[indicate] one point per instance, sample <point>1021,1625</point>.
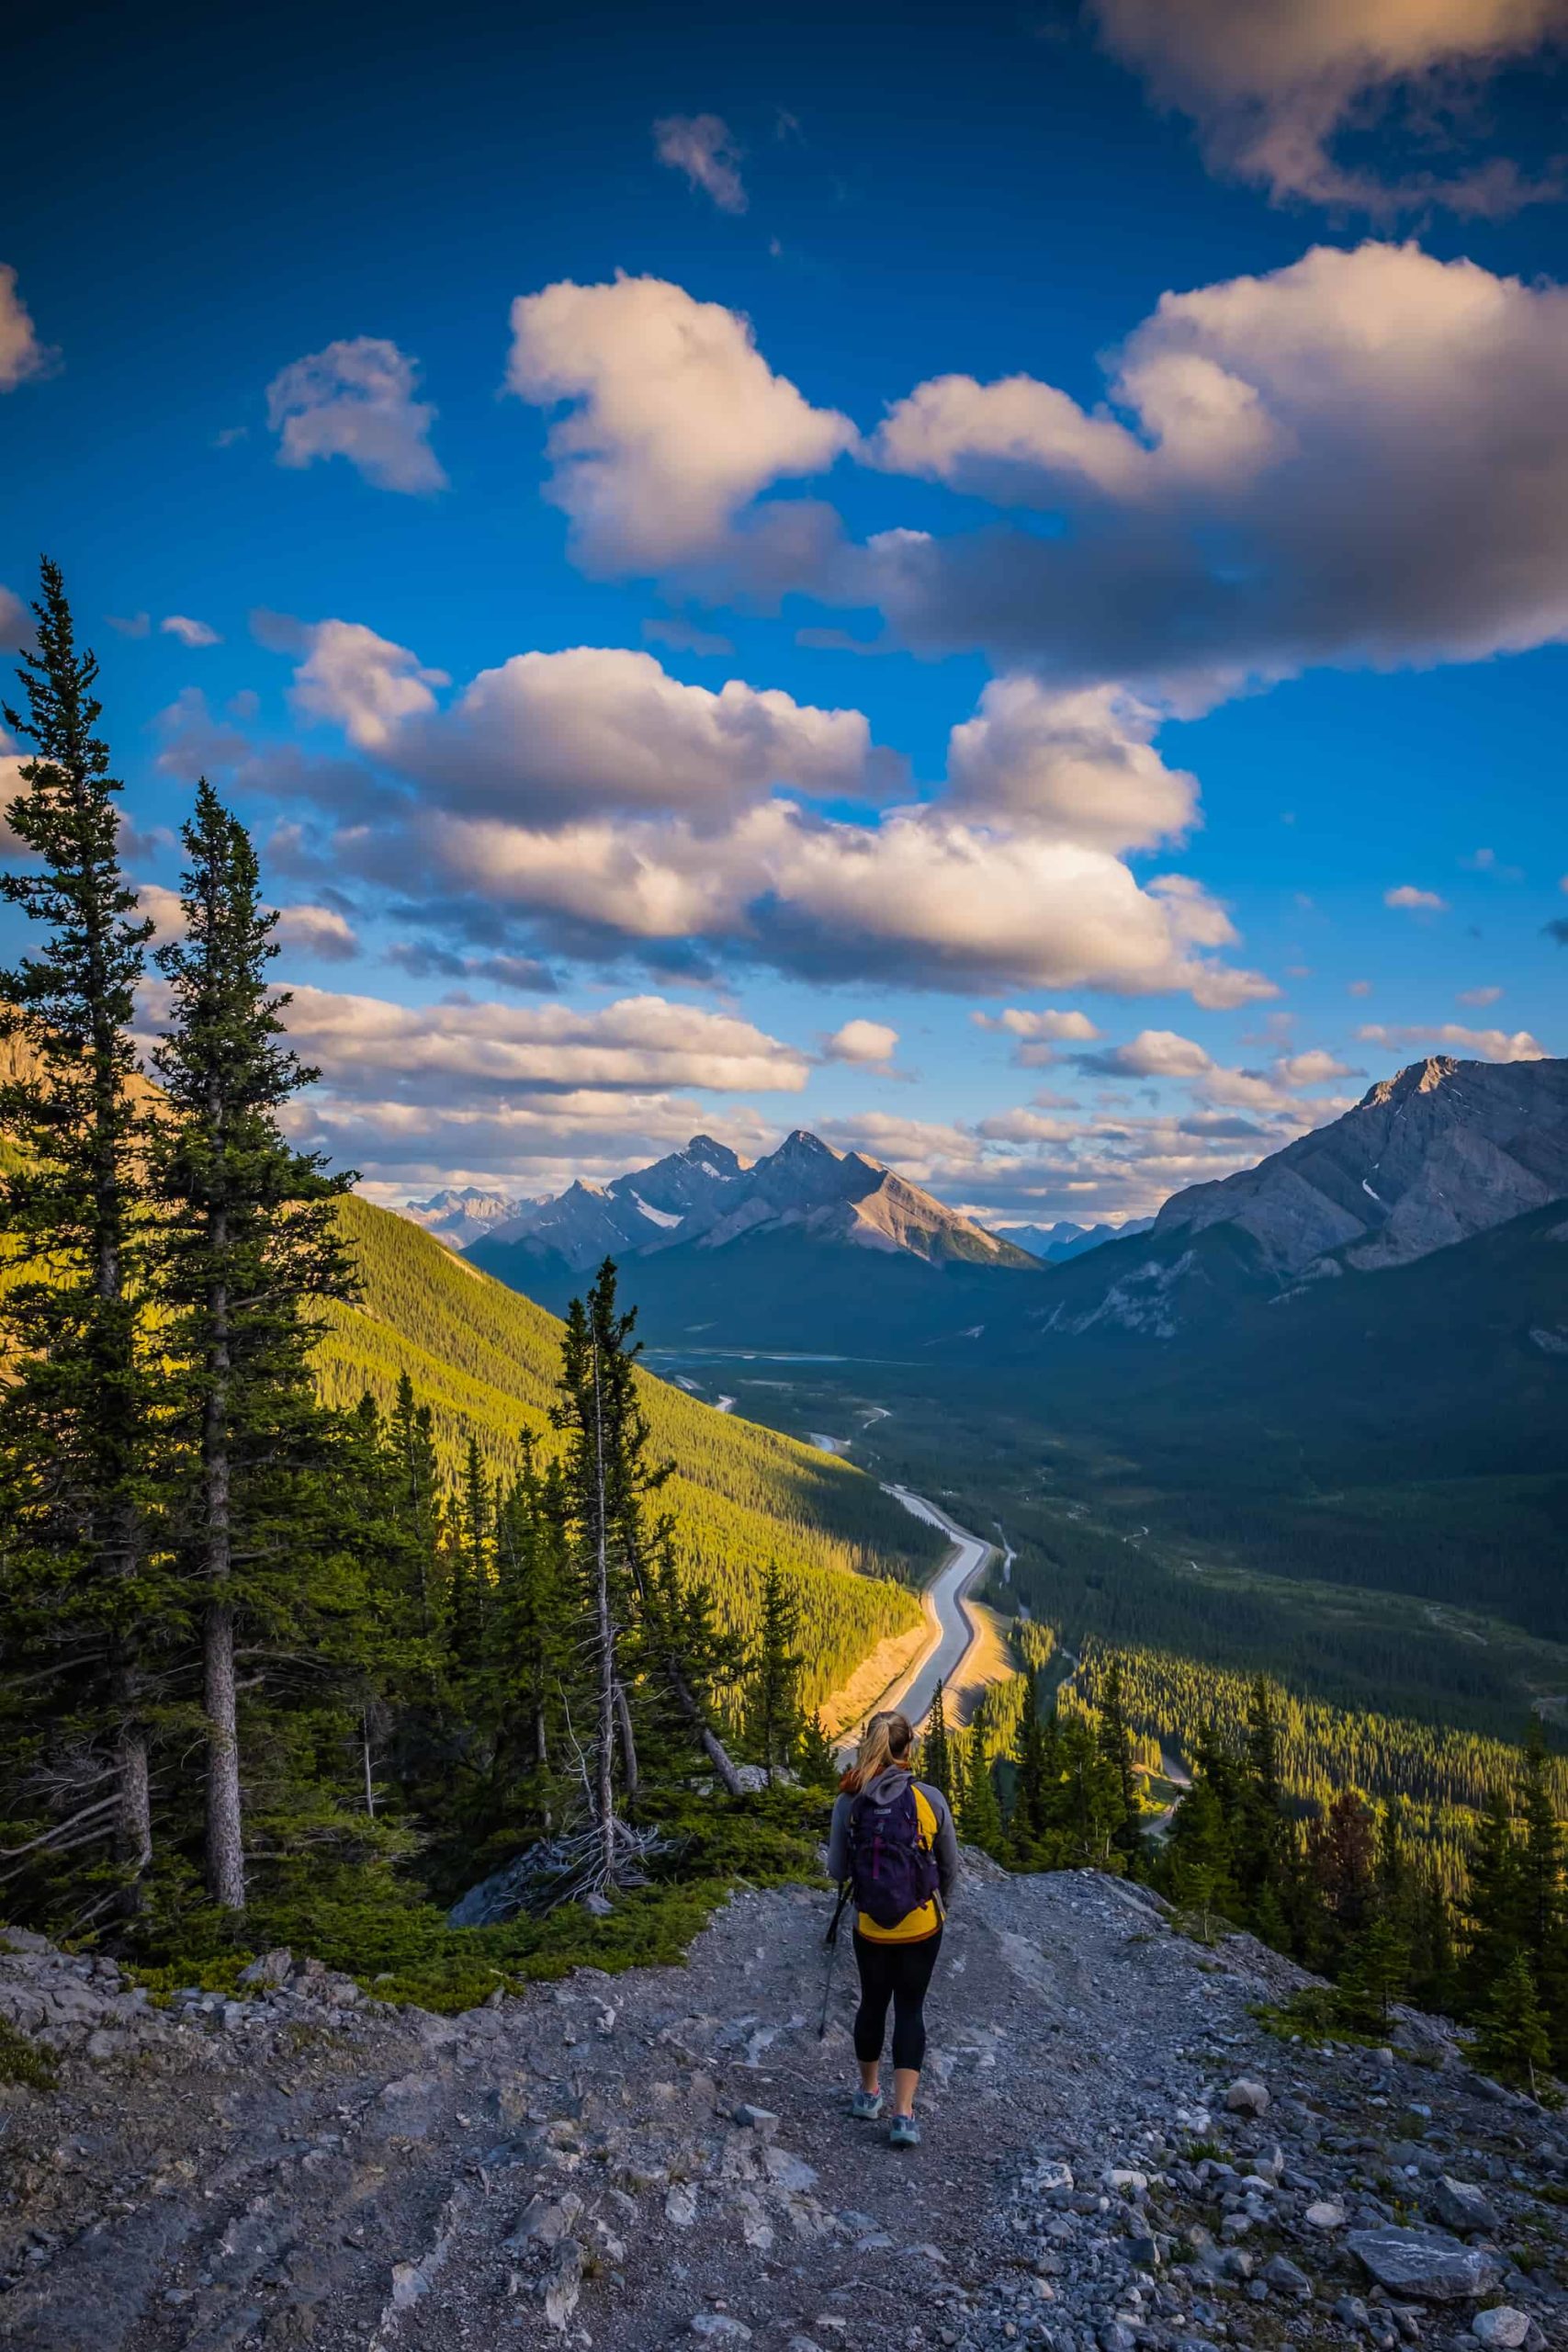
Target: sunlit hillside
<point>484,1358</point>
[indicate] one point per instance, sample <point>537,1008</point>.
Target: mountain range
<point>1427,1159</point>
<point>1054,1244</point>
<point>705,1199</point>
<point>464,1214</point>
<point>811,1248</point>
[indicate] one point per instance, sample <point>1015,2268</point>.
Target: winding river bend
<point>952,1630</point>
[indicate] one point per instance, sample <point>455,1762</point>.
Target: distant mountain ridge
<point>1435,1156</point>
<point>1054,1244</point>
<point>706,1198</point>
<point>463,1214</point>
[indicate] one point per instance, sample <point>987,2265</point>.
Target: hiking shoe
<point>905,2132</point>
<point>866,2106</point>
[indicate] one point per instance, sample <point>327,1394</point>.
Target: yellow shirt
<point>914,1925</point>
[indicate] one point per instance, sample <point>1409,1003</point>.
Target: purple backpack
<point>892,1868</point>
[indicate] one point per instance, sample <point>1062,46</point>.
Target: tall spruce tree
<point>1512,2039</point>
<point>936,1747</point>
<point>773,1700</point>
<point>1261,1834</point>
<point>1035,1775</point>
<point>690,1657</point>
<point>609,1478</point>
<point>1116,1747</point>
<point>248,1247</point>
<point>980,1819</point>
<point>87,1599</point>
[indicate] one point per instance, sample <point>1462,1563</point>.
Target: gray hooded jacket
<point>883,1790</point>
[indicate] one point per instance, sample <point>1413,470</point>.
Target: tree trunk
<point>628,1743</point>
<point>605,1759</point>
<point>708,1740</point>
<point>369,1781</point>
<point>225,1828</point>
<point>133,1819</point>
<point>225,1835</point>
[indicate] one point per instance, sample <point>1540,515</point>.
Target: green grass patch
<point>24,2061</point>
<point>366,1922</point>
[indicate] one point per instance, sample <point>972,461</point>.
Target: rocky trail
<point>664,2157</point>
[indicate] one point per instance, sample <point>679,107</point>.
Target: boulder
<point>1326,2214</point>
<point>1502,2327</point>
<point>1427,2263</point>
<point>1286,2278</point>
<point>1459,2205</point>
<point>562,2286</point>
<point>269,1968</point>
<point>1247,2096</point>
<point>718,2327</point>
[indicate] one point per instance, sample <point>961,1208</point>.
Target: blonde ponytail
<point>887,1741</point>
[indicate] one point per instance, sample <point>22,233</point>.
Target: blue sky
<point>1000,594</point>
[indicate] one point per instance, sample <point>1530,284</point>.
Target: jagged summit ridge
<point>707,1197</point>
<point>1443,1151</point>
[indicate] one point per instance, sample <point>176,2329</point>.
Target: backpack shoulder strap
<point>925,1814</point>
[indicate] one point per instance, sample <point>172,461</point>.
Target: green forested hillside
<point>486,1360</point>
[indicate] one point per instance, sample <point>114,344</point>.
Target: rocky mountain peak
<point>801,1144</point>
<point>1443,1150</point>
<point>1415,1078</point>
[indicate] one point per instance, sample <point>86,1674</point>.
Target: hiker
<point>892,1841</point>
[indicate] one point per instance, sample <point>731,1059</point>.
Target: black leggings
<point>899,1973</point>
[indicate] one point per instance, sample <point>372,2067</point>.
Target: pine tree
<point>1496,1921</point>
<point>1029,1824</point>
<point>1433,1984</point>
<point>530,1649</point>
<point>1341,1856</point>
<point>469,1564</point>
<point>1511,2038</point>
<point>690,1655</point>
<point>936,1748</point>
<point>87,1599</point>
<point>817,1758</point>
<point>1545,1915</point>
<point>775,1698</point>
<point>1374,1976</point>
<point>609,1477</point>
<point>980,1822</point>
<point>1259,1825</point>
<point>247,1244</point>
<point>1116,1747</point>
<point>1200,1862</point>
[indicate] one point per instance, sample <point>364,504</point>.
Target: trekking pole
<point>831,1941</point>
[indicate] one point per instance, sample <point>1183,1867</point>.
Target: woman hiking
<point>894,1842</point>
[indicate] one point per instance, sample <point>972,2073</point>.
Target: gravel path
<point>664,2157</point>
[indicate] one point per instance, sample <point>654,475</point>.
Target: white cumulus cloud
<point>320,931</point>
<point>677,419</point>
<point>362,683</point>
<point>602,727</point>
<point>355,399</point>
<point>1271,83</point>
<point>871,1043</point>
<point>464,1053</point>
<point>1081,764</point>
<point>1284,474</point>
